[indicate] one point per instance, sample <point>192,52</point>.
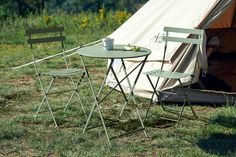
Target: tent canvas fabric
<point>145,29</point>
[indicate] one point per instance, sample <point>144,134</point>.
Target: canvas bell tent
<point>215,80</point>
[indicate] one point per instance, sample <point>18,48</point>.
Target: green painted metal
<point>43,30</point>
<point>194,37</point>
<point>63,72</point>
<point>54,34</point>
<point>167,74</point>
<point>184,30</point>
<point>118,52</point>
<point>183,40</point>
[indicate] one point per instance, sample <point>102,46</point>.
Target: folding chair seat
<point>172,34</point>
<point>45,41</point>
<point>63,72</point>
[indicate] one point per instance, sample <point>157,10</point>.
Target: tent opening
<point>221,52</point>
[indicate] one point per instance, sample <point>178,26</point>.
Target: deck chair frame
<point>49,35</point>
<point>195,37</point>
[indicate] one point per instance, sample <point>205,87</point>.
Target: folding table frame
<point>97,51</point>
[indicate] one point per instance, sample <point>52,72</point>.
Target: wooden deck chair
<point>194,37</point>
<point>42,43</point>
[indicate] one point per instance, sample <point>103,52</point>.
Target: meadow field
<point>213,134</point>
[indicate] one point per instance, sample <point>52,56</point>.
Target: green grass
<point>21,134</point>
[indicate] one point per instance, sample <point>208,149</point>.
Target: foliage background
<point>90,17</point>
<point>213,134</point>
<point>9,8</point>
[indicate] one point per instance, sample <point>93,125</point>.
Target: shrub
<point>94,25</point>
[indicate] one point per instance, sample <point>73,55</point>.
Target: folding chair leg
<point>68,102</point>
<point>40,106</point>
<point>182,109</point>
<point>50,109</point>
<point>76,92</point>
<point>80,102</point>
<point>154,93</point>
<point>180,115</point>
<point>179,112</point>
<point>45,98</point>
<point>193,111</point>
<point>191,107</point>
<point>185,100</point>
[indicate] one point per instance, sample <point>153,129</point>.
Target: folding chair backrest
<point>54,34</point>
<point>173,34</point>
<point>45,36</point>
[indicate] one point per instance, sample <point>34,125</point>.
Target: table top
<point>118,52</point>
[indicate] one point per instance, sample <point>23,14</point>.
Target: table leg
<point>135,82</point>
<point>119,84</point>
<point>126,74</point>
<point>132,94</point>
<point>131,90</point>
<point>96,104</point>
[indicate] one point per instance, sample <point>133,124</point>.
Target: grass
<point>212,135</point>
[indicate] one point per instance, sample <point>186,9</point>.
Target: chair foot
<point>194,113</point>
<point>180,113</point>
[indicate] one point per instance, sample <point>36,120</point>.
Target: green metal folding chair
<point>42,43</point>
<point>172,34</point>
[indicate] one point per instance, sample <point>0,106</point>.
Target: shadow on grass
<point>135,124</point>
<point>226,121</point>
<point>160,123</point>
<point>219,144</point>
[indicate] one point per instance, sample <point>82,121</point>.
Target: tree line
<point>22,8</point>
